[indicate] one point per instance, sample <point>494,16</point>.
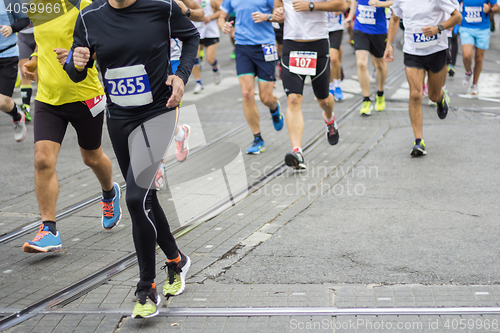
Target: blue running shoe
<point>332,92</point>
<point>277,119</point>
<point>111,212</point>
<point>338,94</point>
<point>257,147</point>
<point>44,241</point>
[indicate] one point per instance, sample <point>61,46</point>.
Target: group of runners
<point>146,57</point>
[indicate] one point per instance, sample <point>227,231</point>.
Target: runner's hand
<point>6,30</point>
<point>81,56</point>
<point>227,27</point>
<point>258,17</point>
<point>389,53</point>
<point>182,6</point>
<point>301,6</point>
<point>177,90</point>
<point>373,3</point>
<point>61,54</point>
<point>347,22</point>
<point>31,64</point>
<point>486,8</point>
<point>279,15</point>
<point>430,31</point>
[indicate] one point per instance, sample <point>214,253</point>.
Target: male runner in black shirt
<point>131,41</point>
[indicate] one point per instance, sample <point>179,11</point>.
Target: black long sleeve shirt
<point>132,46</point>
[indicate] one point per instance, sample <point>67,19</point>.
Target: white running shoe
<point>198,88</point>
<point>20,130</point>
<point>474,89</point>
<point>466,81</point>
<point>217,77</point>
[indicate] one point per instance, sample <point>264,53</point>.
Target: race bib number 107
<point>303,62</point>
<point>128,86</point>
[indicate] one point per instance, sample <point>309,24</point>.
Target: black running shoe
<point>332,131</point>
<point>295,159</point>
<point>418,149</point>
<point>442,107</point>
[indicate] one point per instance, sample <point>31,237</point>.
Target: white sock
<point>180,135</point>
<point>332,85</point>
<point>336,83</point>
<point>299,148</point>
<point>328,120</point>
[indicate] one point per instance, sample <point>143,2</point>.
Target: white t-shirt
<point>210,30</point>
<point>335,22</point>
<point>304,25</point>
<point>417,14</point>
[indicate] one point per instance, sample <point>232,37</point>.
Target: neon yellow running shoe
<point>176,276</point>
<point>366,109</point>
<point>147,301</point>
<point>380,103</point>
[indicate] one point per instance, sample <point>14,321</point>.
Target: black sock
<point>258,136</point>
<point>417,141</point>
<point>275,108</point>
<point>108,195</point>
<point>366,99</point>
<point>15,114</point>
<point>26,95</point>
<point>51,225</point>
<point>380,93</point>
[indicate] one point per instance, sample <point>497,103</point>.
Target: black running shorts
<point>8,75</point>
<point>51,121</point>
<point>209,41</point>
<point>294,83</point>
<point>336,39</point>
<point>375,44</point>
<point>433,62</point>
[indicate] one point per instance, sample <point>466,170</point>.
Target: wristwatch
<point>440,27</point>
<point>188,12</point>
<point>311,6</point>
<point>269,17</point>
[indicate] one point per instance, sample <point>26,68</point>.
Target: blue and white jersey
<point>370,20</point>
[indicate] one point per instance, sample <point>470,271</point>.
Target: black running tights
<point>149,223</point>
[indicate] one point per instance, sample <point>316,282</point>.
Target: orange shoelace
<point>41,233</point>
<point>108,209</point>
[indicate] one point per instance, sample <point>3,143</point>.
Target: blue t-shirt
<point>473,15</point>
<point>10,11</point>
<point>247,32</point>
<point>370,20</point>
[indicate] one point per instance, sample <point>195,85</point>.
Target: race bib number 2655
<point>128,86</point>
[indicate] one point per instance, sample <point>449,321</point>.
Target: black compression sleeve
<point>183,29</point>
<point>20,24</point>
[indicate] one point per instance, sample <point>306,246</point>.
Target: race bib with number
<point>96,105</point>
<point>303,62</point>
<point>473,14</point>
<point>128,86</point>
<point>421,41</point>
<point>366,14</point>
<point>270,53</point>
